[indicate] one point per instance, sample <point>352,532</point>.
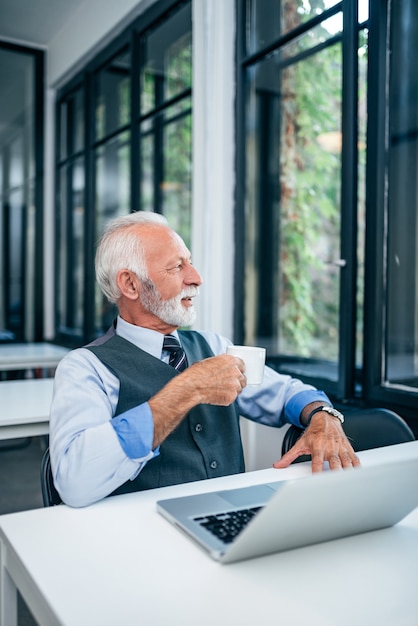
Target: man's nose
<point>193,277</point>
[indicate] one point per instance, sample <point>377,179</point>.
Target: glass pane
<point>17,159</point>
<point>363,10</point>
<point>293,204</point>
<point>147,168</point>
<point>361,216</point>
<point>15,257</point>
<point>166,145</point>
<point>63,141</point>
<point>30,265</point>
<point>71,248</point>
<point>112,199</point>
<point>270,20</point>
<point>113,95</point>
<point>62,250</point>
<point>78,122</point>
<point>167,69</point>
<point>78,238</point>
<point>112,179</point>
<point>177,179</point>
<point>402,260</point>
<point>71,115</point>
<point>17,163</point>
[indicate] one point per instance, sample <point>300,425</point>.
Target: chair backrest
<point>366,429</point>
<point>50,495</point>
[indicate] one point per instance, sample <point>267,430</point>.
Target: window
<point>298,250</point>
<point>401,353</point>
<point>124,143</point>
<point>21,154</point>
<point>71,215</point>
<point>328,237</point>
<point>165,121</point>
<point>392,339</point>
<point>112,156</point>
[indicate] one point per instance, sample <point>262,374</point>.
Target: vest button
<point>198,428</point>
<point>214,464</point>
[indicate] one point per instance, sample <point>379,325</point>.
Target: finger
<point>288,458</point>
<point>239,363</point>
<point>283,462</point>
<point>345,459</point>
<point>335,462</point>
<point>318,459</point>
<point>349,460</point>
<point>241,383</point>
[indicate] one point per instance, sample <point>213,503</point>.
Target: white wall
<point>213,160</point>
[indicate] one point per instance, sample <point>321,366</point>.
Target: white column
<point>213,160</point>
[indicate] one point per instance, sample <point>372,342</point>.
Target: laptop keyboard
<point>226,526</point>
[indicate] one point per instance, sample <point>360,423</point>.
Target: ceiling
<point>35,21</point>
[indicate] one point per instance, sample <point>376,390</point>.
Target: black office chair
<point>50,495</point>
<point>366,429</point>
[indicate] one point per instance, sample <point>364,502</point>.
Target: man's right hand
<point>217,380</point>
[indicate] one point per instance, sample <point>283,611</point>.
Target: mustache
<point>189,292</point>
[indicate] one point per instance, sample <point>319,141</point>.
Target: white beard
<point>169,311</point>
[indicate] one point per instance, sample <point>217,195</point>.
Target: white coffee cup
<point>254,359</point>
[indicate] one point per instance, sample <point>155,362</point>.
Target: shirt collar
<point>149,340</point>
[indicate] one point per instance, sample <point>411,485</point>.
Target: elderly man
<point>147,405</point>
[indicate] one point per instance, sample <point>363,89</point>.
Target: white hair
<point>120,247</point>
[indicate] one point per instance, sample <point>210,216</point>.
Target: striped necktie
<point>177,357</point>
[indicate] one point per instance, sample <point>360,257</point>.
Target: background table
<point>24,407</point>
<point>120,562</point>
<point>21,356</point>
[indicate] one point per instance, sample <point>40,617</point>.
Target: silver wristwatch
<point>327,409</point>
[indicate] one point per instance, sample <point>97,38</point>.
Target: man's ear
<point>128,284</point>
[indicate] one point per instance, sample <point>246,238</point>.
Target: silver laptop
<point>253,521</point>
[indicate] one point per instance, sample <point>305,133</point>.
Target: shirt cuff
<point>298,402</point>
<point>135,431</point>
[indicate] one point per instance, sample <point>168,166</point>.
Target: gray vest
<point>207,442</point>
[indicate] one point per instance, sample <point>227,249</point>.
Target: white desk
<point>119,562</point>
<point>21,356</point>
<point>24,407</point>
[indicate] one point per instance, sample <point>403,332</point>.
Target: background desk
<point>24,407</point>
<point>21,356</point>
<point>119,562</point>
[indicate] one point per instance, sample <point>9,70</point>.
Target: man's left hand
<point>324,440</point>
